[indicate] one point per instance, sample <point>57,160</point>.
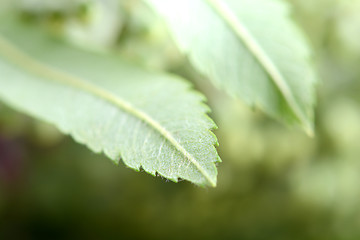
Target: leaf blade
<point>237,30</point>
<point>100,92</point>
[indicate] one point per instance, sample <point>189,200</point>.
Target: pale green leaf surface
<point>150,121</point>
<point>248,47</point>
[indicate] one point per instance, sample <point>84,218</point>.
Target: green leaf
<point>248,47</point>
<point>150,121</point>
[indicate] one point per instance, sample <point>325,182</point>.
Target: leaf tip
<point>310,131</point>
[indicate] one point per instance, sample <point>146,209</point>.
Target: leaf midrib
<point>16,56</point>
<point>260,55</point>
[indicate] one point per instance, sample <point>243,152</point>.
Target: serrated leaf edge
<point>33,66</point>
<point>242,32</point>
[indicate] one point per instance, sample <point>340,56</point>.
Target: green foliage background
<point>274,182</point>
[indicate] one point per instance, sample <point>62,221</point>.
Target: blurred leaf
<point>40,6</point>
<point>250,48</point>
<point>348,26</point>
<point>152,121</point>
<point>104,21</point>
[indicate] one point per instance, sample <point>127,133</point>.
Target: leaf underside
<point>150,121</point>
<point>248,47</point>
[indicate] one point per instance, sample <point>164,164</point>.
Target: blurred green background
<point>275,182</point>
